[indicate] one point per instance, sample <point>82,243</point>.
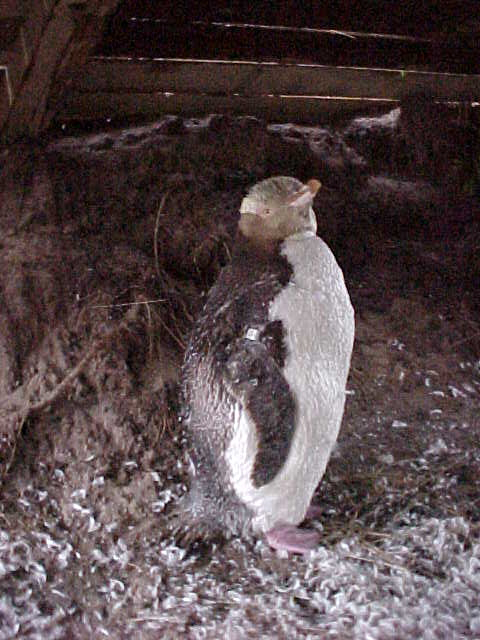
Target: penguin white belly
<point>318,321</point>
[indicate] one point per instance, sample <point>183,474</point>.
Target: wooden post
<point>68,32</point>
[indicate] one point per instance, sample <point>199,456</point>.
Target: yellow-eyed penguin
<point>265,371</point>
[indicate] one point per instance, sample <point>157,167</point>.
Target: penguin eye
<point>267,212</point>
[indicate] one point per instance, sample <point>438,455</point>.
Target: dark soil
<point>99,287</point>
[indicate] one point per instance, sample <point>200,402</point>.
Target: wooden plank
<point>36,19</point>
<point>14,64</point>
<point>30,103</point>
<point>55,36</point>
<point>89,106</point>
<point>9,31</point>
<point>149,39</point>
<point>257,79</point>
<point>5,91</point>
<point>17,58</point>
<point>422,17</point>
<point>13,8</point>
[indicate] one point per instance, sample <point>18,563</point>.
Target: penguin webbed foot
<point>291,538</point>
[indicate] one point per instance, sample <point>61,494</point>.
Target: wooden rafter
<point>52,36</point>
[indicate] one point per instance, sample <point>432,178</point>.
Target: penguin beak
<point>314,186</point>
<point>305,195</point>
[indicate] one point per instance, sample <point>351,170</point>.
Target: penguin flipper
<point>257,381</point>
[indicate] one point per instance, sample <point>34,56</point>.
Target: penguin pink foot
<point>291,538</point>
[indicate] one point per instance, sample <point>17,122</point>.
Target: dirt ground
<point>99,287</point>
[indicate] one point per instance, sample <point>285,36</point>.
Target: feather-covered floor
<point>99,288</point>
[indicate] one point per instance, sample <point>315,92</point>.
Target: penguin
<point>264,373</point>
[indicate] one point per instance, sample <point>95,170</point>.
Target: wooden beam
<point>262,79</point>
<point>455,53</point>
<point>388,16</point>
<point>26,114</point>
<point>63,36</point>
<point>13,8</point>
<point>5,90</point>
<point>93,106</point>
<point>9,30</point>
<point>15,57</point>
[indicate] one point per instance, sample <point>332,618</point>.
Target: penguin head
<point>277,208</point>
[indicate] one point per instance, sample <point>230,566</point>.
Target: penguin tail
<point>190,525</point>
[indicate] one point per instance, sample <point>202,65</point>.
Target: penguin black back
<point>245,353</point>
